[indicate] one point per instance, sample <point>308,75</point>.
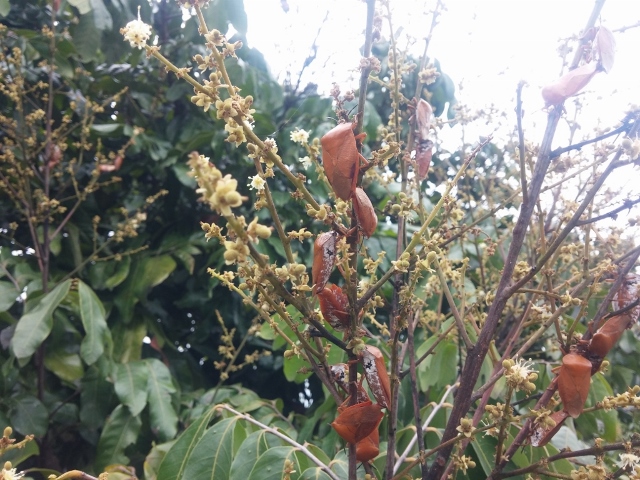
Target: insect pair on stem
<point>358,423</point>
<point>585,358</point>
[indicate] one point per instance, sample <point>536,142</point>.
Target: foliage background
<point>156,377</point>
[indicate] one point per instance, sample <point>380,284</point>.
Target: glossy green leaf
<point>94,323</point>
<point>175,461</point>
<point>131,384</point>
<point>247,455</point>
<point>34,327</point>
<point>120,430</point>
<point>29,416</point>
<point>213,455</point>
<point>270,465</point>
<point>8,295</point>
<point>163,417</point>
<point>66,366</point>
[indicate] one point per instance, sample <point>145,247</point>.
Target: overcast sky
<point>487,46</point>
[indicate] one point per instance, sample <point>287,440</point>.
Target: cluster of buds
<point>590,472</point>
<point>629,398</point>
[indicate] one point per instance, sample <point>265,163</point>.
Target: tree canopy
<point>165,313</point>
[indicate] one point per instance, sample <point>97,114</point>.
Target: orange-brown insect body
<point>608,335</point>
<point>376,374</point>
<point>369,447</point>
<point>365,214</point>
<point>324,258</point>
<point>574,380</point>
<point>356,422</point>
<point>341,159</point>
<point>334,305</point>
<point>627,294</point>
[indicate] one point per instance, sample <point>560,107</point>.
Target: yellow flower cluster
<point>520,375</point>
<point>218,191</point>
<point>136,32</point>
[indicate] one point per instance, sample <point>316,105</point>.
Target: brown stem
<point>476,354</point>
<point>595,451</point>
<point>414,390</point>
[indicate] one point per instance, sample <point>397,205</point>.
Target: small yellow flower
<point>9,473</point>
<point>257,183</point>
<point>629,461</point>
<point>305,161</point>
<point>520,375</point>
<point>299,136</point>
<point>270,145</point>
<point>136,32</point>
<point>201,99</point>
<point>466,427</point>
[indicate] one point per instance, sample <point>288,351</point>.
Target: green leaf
<point>130,384</point>
<point>174,463</point>
<point>145,274</point>
<point>8,295</point>
<point>34,327</point>
<point>29,416</point>
<point>212,456</point>
<point>314,473</point>
<point>127,340</point>
<point>600,388</point>
<point>96,397</point>
<point>120,430</point>
<point>106,128</point>
<point>120,274</point>
<point>66,366</point>
<point>291,367</point>
<point>270,466</point>
<point>94,323</point>
<point>247,455</point>
<point>154,458</point>
<point>5,8</point>
<point>163,417</point>
<point>340,464</point>
<point>485,448</point>
<point>86,37</point>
